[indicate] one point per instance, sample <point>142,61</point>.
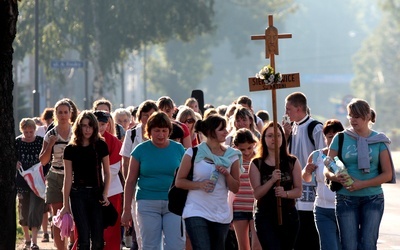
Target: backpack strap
<point>310,130</point>
<point>133,133</point>
<point>341,138</point>
<point>190,175</point>
<point>118,130</point>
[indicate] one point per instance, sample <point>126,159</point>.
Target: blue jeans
<point>156,221</point>
<point>88,217</point>
<point>359,219</point>
<point>205,234</point>
<point>328,231</point>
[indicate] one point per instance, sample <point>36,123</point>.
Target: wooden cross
<point>291,80</point>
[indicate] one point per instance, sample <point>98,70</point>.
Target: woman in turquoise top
<point>151,167</point>
<point>365,153</point>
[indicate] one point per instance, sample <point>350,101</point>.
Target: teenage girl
<point>243,200</point>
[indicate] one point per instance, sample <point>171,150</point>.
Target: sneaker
<point>27,245</point>
<point>45,237</point>
<point>34,247</point>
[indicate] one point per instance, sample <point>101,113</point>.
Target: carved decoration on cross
<point>291,80</point>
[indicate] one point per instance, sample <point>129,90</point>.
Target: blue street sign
<point>61,64</point>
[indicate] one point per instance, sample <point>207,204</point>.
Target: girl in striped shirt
<point>243,200</point>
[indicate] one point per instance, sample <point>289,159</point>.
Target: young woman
<point>242,118</point>
<point>243,200</point>
<point>193,104</point>
<point>112,234</point>
<point>152,167</point>
<point>180,131</point>
<point>30,206</point>
<point>366,155</point>
<point>207,213</point>
<point>324,205</point>
<point>187,116</point>
<point>52,151</point>
<point>263,178</point>
<point>85,159</point>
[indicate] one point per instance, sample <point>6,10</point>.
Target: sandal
<point>70,245</point>
<point>27,245</point>
<point>45,237</point>
<point>34,246</point>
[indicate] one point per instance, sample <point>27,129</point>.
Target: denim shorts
<point>243,216</point>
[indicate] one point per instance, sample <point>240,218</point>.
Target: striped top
<point>244,198</point>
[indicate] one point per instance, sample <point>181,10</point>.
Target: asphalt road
<point>389,235</point>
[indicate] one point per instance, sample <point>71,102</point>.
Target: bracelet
<point>287,194</point>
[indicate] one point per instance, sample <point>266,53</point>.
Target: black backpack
<point>310,130</point>
<point>177,196</point>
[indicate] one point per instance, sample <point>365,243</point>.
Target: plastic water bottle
<point>214,178</point>
<point>343,171</point>
<point>127,238</point>
<point>330,164</point>
<point>315,157</point>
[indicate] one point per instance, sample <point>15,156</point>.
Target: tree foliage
<point>183,66</point>
<point>377,65</point>
<point>105,31</point>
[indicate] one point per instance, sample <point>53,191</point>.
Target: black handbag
<point>109,213</point>
<point>333,185</point>
<point>177,196</point>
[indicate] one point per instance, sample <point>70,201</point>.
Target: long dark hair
<point>262,149</point>
<point>77,135</point>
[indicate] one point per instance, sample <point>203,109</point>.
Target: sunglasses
<point>190,121</point>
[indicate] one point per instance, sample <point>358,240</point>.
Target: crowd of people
<point>239,196</point>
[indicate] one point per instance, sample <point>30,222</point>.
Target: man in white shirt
<point>301,144</point>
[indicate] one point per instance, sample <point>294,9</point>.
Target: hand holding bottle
<point>343,175</point>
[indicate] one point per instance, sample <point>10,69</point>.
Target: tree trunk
<point>98,81</point>
<point>8,159</point>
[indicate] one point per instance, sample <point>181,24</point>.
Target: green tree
<point>8,29</point>
<point>102,32</point>
<point>178,67</point>
<point>377,64</point>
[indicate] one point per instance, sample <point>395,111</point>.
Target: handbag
<point>109,213</point>
<point>333,185</point>
<point>177,196</point>
<point>34,176</point>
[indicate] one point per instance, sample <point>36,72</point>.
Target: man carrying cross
<point>301,145</point>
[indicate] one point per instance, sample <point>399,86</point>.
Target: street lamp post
<point>36,100</point>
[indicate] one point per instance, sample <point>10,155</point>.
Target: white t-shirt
<point>212,206</point>
<point>302,147</point>
<point>41,130</point>
<point>128,145</point>
<point>325,197</point>
<point>58,148</point>
<point>115,183</point>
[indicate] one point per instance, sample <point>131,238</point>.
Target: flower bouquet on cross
<point>268,75</point>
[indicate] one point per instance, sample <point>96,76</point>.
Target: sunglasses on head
<point>190,121</point>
